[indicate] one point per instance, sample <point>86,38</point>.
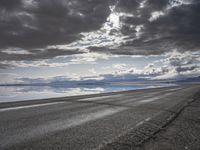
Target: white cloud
<point>155,15</point>
<point>150,69</point>
<point>39,63</point>
<point>167,66</point>
<point>173,65</point>
<point>176,3</point>
<point>92,71</point>
<point>18,51</point>
<point>138,30</point>
<point>128,70</point>
<point>95,77</point>
<point>178,65</point>
<point>86,58</point>
<point>119,66</point>
<point>142,4</point>
<point>61,61</point>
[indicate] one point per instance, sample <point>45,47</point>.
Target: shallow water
<point>19,93</point>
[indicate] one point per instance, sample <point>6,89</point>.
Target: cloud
<point>86,58</point>
<point>37,30</point>
<point>60,61</point>
<point>173,65</point>
<point>92,71</point>
<point>15,51</point>
<point>179,65</point>
<point>9,5</point>
<point>164,28</point>
<point>16,54</point>
<point>155,15</point>
<point>6,78</point>
<point>119,66</point>
<point>26,64</point>
<point>35,24</point>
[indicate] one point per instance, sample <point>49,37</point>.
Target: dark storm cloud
<point>37,54</point>
<point>10,4</point>
<point>34,24</point>
<point>177,28</point>
<point>127,5</point>
<point>4,66</point>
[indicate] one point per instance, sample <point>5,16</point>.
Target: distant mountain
<point>62,83</point>
<point>105,81</point>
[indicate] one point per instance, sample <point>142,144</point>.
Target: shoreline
<point>63,98</point>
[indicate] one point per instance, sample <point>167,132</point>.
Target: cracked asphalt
<point>99,121</point>
<point>182,134</point>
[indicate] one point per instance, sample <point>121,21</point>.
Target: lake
<point>21,93</point>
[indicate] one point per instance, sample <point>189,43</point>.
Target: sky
<point>47,40</point>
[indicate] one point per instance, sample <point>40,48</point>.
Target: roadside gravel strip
<point>148,135</point>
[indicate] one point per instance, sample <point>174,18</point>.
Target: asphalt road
<point>83,122</point>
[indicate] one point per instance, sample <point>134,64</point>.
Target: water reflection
<point>19,93</point>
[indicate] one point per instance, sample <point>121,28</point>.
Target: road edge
<point>149,128</point>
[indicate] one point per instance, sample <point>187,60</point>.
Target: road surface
<point>83,122</point>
